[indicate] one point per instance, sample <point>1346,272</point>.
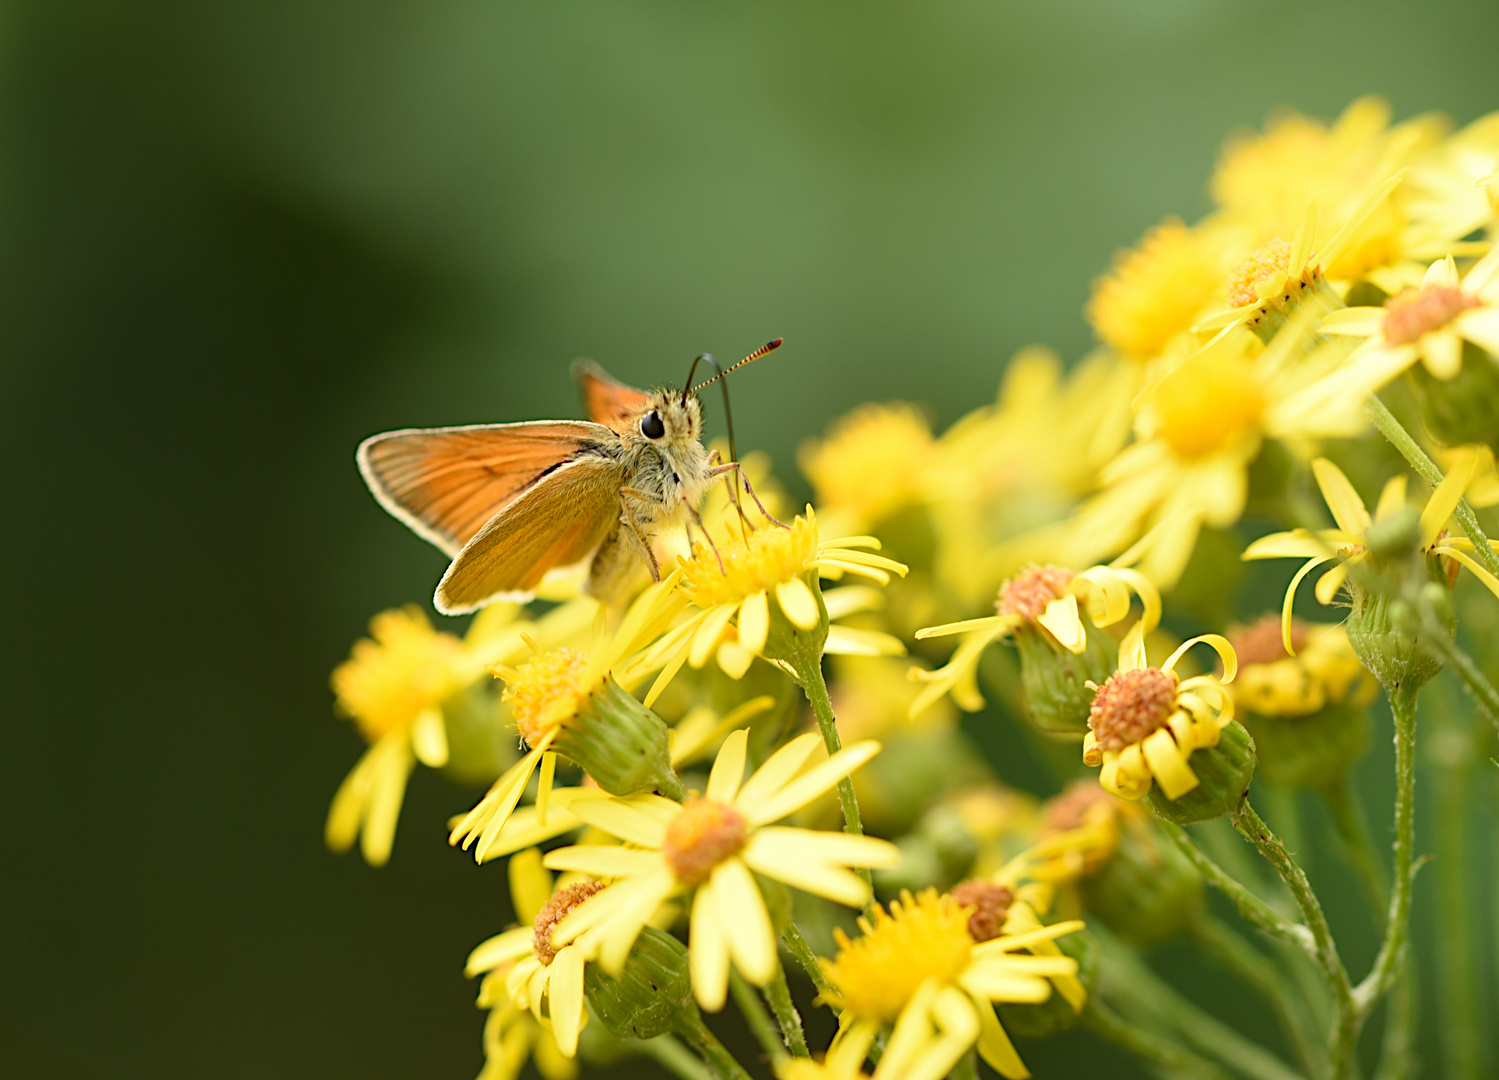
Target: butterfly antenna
<point>768,347</point>
<point>728,419</point>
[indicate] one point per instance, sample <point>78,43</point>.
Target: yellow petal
<point>1391,499</point>
<point>1488,580</point>
<point>708,633</point>
<point>1357,321</point>
<point>743,919</point>
<point>1167,765</point>
<point>707,951</point>
<point>851,599</point>
<point>1219,644</point>
<point>1347,508</point>
<point>1061,618</point>
<point>603,860</point>
<point>1329,583</point>
<point>1132,649</point>
<point>754,621</point>
<point>347,810</point>
<point>1442,273</point>
<point>383,809</point>
<point>1447,495</point>
<point>851,641</point>
<point>1290,599</point>
<point>995,1046</point>
<point>630,823</point>
<point>817,780</point>
<point>1442,353</point>
<point>966,625</point>
<point>565,996</point>
<point>530,884</point>
<point>798,603</point>
<point>500,949</point>
<point>544,787</point>
<point>728,768</point>
<point>429,738</point>
<point>778,770</point>
<point>1288,545</point>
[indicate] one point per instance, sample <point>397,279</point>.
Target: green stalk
<point>1147,1045</point>
<point>1261,974</point>
<point>1392,951</point>
<point>1401,440</point>
<point>1255,911</point>
<point>778,995</point>
<point>690,1027</point>
<point>674,1058</point>
<point>802,953</point>
<point>760,1024</point>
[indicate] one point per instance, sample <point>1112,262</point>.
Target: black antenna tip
<point>776,344</point>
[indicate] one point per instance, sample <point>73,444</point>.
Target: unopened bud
<point>1223,771</point>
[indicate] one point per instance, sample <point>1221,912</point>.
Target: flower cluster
<point>751,778</point>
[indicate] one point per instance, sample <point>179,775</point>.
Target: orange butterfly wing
<point>447,483</point>
<point>608,401</point>
<point>558,521</point>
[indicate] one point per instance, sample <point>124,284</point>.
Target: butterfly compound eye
<point>651,426</point>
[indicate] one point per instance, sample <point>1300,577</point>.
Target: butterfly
<point>510,502</point>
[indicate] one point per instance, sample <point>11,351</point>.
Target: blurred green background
<point>237,238</point>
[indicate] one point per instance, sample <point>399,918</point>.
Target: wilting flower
<point>708,848</point>
<point>1147,721</point>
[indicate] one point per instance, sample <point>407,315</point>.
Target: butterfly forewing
<point>608,400</point>
<point>560,520</point>
<point>447,483</point>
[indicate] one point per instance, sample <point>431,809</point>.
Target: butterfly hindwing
<point>447,483</point>
<point>558,521</point>
<point>608,401</point>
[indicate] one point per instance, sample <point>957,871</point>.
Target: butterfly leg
<point>695,516</point>
<point>641,537</point>
<point>733,466</point>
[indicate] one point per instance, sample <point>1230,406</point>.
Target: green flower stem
<point>760,1024</point>
<point>802,953</point>
<point>1255,911</point>
<point>1358,850</point>
<point>1392,951</point>
<point>1253,828</point>
<point>691,1028</point>
<point>778,994</point>
<point>1147,1045</point>
<point>1428,470</point>
<point>1261,974</point>
<point>674,1058</point>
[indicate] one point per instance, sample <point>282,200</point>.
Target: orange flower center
<point>1255,269</point>
<point>991,904</point>
<point>555,910</point>
<point>1028,592</point>
<point>1130,706</point>
<point>1260,642</point>
<point>1420,311</point>
<point>703,835</point>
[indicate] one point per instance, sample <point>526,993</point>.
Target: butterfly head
<point>669,420</point>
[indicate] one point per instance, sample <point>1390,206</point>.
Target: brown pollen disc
<point>555,910</point>
<point>1419,311</point>
<point>1130,706</point>
<point>1259,642</point>
<point>1069,810</point>
<point>991,904</point>
<point>1028,592</point>
<point>703,835</point>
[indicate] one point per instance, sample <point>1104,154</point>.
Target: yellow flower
<point>1008,474</point>
<point>393,686</point>
<point>1200,427</point>
<point>1428,324</point>
<point>708,848</point>
<point>1445,198</point>
<point>869,464</point>
<point>1267,181</point>
<point>1081,829</point>
<point>1157,290</point>
<point>1147,721</point>
<point>1345,545</point>
<point>1044,598</point>
<point>844,1060</point>
<point>523,972</point>
<point>933,967</point>
<point>1320,670</point>
<point>550,695</point>
<point>733,599</point>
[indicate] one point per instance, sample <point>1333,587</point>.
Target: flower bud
<point>481,735</point>
<point>1056,680</point>
<point>651,993</point>
<point>1223,770</point>
<point>1383,629</point>
<point>1147,891</point>
<point>1465,408</point>
<point>619,742</point>
<point>1056,1014</point>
